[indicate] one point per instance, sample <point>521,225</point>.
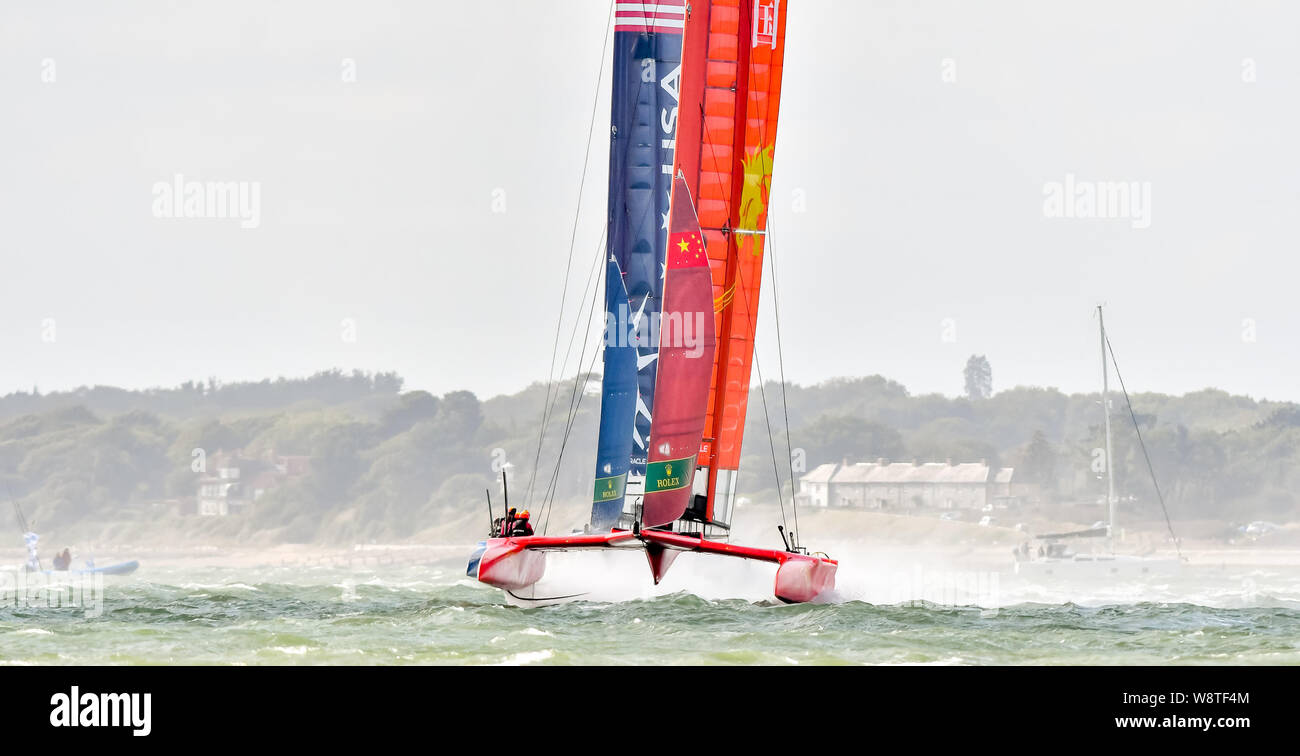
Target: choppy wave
<point>414,615</point>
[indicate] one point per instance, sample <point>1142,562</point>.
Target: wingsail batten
<point>617,404</point>
<point>643,132</point>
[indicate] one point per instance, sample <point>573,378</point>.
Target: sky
<point>417,169</point>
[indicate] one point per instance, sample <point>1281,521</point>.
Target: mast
<point>1105,410</point>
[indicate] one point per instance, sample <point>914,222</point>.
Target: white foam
<point>525,657</point>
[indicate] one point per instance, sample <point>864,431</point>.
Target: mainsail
<point>733,55</point>
<point>647,69</point>
<point>686,348</point>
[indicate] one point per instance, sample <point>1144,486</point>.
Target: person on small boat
<point>507,525</point>
<point>521,526</point>
<point>63,560</point>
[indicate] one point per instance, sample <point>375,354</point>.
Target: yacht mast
<point>1105,409</point>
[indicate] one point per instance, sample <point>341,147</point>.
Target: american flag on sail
<point>662,16</point>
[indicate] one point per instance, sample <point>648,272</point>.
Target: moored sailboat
<point>696,95</point>
<point>1056,555</point>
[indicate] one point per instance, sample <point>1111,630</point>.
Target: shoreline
<point>855,535</point>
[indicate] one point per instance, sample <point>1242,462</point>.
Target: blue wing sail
<point>617,404</point>
<point>646,91</point>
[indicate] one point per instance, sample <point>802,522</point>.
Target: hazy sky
<point>915,145</point>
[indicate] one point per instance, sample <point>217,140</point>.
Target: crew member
<point>521,525</point>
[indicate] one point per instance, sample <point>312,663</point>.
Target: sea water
<point>434,614</point>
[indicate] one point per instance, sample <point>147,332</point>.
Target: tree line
<point>387,463</point>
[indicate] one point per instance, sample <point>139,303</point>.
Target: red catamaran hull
<point>514,564</point>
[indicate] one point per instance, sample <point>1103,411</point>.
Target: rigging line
<point>553,400</point>
<point>575,397</point>
<point>577,322</point>
<point>780,353</point>
<point>1150,469</point>
<point>762,392</point>
<point>582,182</point>
<point>771,251</point>
<point>595,292</point>
<point>573,415</point>
<point>553,489</point>
<point>767,420</point>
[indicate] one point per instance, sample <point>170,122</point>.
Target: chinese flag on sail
<point>686,250</point>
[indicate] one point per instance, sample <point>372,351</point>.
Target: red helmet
<point>523,515</point>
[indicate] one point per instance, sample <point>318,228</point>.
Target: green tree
<point>979,378</point>
<point>830,437</point>
<point>412,407</point>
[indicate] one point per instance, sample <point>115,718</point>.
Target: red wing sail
<point>732,61</point>
<point>686,352</point>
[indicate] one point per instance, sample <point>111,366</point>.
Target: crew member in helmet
<point>521,526</point>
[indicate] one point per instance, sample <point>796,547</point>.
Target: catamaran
<point>1057,555</point>
<point>696,93</point>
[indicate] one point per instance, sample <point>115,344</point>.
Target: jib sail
<point>686,347</point>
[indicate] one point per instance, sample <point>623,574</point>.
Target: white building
<point>903,486</point>
<point>236,483</point>
<point>222,493</point>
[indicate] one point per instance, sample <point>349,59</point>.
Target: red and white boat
<point>696,93</point>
